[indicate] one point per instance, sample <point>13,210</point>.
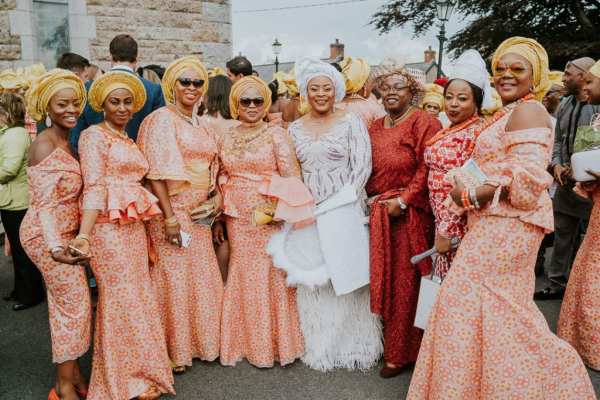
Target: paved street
<point>27,372</point>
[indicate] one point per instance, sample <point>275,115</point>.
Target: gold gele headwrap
<point>356,73</point>
<point>43,88</point>
<point>280,77</point>
<point>112,81</point>
<point>434,94</point>
<point>595,69</point>
<point>241,86</point>
<point>10,80</point>
<point>174,71</point>
<point>292,86</point>
<point>533,52</point>
<point>556,78</point>
<point>216,71</point>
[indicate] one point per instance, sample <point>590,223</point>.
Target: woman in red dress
<point>401,222</point>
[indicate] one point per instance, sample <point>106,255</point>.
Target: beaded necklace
<point>447,131</point>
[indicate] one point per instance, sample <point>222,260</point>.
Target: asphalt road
<point>27,372</point>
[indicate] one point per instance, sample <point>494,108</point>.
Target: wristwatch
<point>401,203</point>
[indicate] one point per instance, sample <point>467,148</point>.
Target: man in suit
<point>123,52</point>
<point>238,67</point>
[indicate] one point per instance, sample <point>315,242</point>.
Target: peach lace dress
<point>53,220</point>
<point>486,338</point>
<point>187,280</point>
<point>260,315</point>
<point>579,321</point>
<point>130,351</point>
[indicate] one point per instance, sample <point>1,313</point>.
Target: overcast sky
<point>309,31</point>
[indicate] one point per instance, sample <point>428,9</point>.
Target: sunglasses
<point>257,101</point>
<point>518,71</point>
<point>186,82</point>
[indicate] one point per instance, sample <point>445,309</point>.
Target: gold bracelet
<point>171,221</point>
<point>84,237</point>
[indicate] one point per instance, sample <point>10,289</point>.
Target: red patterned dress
<point>399,170</point>
<point>449,149</point>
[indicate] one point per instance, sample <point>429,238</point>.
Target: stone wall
<point>10,44</point>
<point>164,29</point>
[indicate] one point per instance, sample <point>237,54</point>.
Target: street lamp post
<point>444,11</point>
<point>276,50</point>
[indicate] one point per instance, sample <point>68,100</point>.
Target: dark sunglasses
<point>186,82</point>
<point>257,101</point>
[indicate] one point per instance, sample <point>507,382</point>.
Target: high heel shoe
<point>151,394</point>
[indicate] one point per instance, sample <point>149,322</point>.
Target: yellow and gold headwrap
<point>10,80</point>
<point>434,94</point>
<point>42,89</point>
<point>292,85</point>
<point>556,78</point>
<point>174,71</point>
<point>595,70</point>
<point>533,52</point>
<point>216,71</point>
<point>356,72</point>
<point>281,86</point>
<point>112,81</point>
<point>241,86</point>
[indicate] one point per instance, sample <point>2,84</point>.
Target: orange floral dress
<point>486,338</point>
<point>130,353</point>
<point>53,220</point>
<point>187,280</point>
<point>260,315</point>
<point>579,321</point>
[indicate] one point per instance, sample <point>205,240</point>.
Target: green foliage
<point>568,29</point>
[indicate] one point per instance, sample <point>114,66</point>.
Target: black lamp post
<point>444,11</point>
<point>276,50</point>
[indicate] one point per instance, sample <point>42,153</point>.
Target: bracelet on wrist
<point>171,221</point>
<point>401,203</point>
<point>56,249</point>
<point>84,237</point>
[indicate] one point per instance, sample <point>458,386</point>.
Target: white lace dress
<point>339,331</point>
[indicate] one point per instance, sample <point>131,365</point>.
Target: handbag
<point>430,287</point>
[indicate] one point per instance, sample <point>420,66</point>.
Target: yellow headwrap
<point>292,85</point>
<point>241,86</point>
<point>42,89</point>
<point>281,86</point>
<point>174,71</point>
<point>112,81</point>
<point>556,78</point>
<point>10,80</point>
<point>216,71</point>
<point>595,70</point>
<point>533,52</point>
<point>434,94</point>
<point>356,72</point>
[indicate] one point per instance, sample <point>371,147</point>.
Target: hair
<point>239,65</point>
<point>160,71</point>
<point>255,73</point>
<point>477,93</point>
<point>217,96</point>
<point>274,87</point>
<point>72,61</point>
<point>337,66</point>
<point>13,106</point>
<point>149,74</point>
<point>123,48</point>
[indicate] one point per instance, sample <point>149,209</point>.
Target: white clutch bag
<point>583,161</point>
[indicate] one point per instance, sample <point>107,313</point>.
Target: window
<point>51,27</point>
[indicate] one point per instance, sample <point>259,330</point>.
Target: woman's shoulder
<point>528,115</point>
<point>41,148</point>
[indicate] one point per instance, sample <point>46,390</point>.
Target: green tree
<point>567,29</point>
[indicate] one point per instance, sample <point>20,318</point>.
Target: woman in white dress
<point>329,261</point>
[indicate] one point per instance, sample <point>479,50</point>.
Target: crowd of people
<point>224,218</point>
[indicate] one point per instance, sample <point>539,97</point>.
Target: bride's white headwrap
<point>308,68</point>
<point>470,67</point>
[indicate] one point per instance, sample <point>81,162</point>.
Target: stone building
<point>40,30</point>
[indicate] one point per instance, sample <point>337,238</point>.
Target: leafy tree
<point>567,29</point>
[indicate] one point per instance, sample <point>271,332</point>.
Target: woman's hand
<point>218,233</point>
<point>173,233</point>
<point>393,207</point>
<point>79,247</point>
<point>442,244</point>
<point>457,191</point>
<point>62,256</point>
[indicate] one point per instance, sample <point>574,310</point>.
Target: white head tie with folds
<point>308,68</point>
<point>470,67</point>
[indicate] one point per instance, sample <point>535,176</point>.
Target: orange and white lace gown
<point>260,315</point>
<point>52,220</point>
<point>130,351</point>
<point>188,283</point>
<point>579,321</point>
<point>486,338</point>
